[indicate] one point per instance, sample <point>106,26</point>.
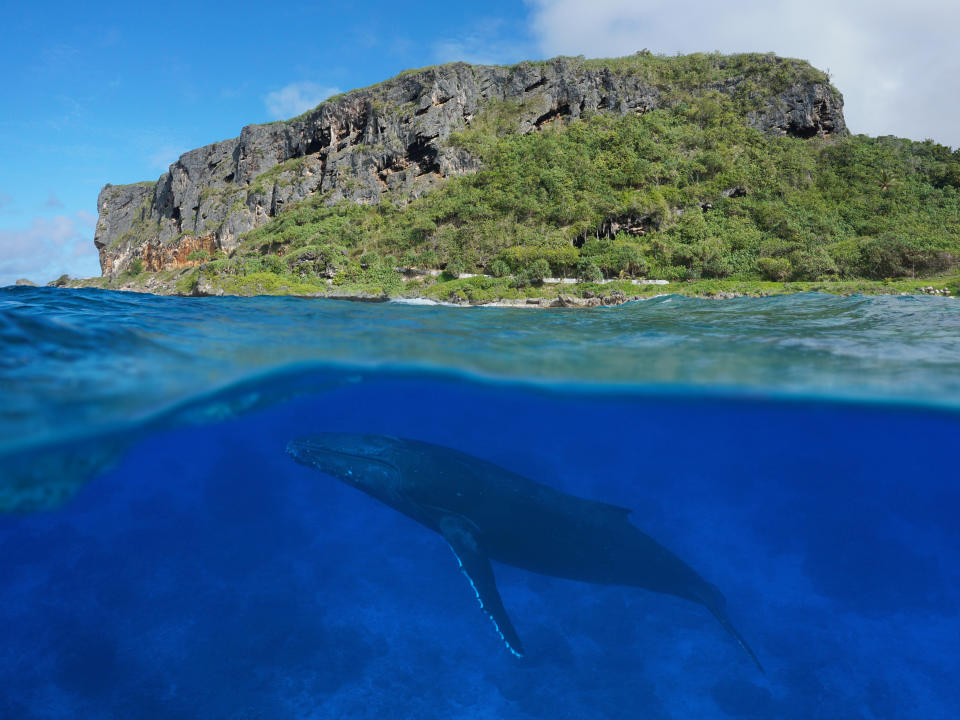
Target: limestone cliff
<point>391,139</point>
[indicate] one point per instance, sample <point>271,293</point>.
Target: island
<point>570,181</point>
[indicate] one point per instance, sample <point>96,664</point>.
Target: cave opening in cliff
<point>314,145</point>
<point>559,112</point>
<point>804,132</point>
<point>421,152</point>
<point>533,86</point>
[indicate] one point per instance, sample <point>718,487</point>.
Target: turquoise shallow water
<point>161,556</point>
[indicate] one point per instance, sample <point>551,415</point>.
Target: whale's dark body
<point>485,511</point>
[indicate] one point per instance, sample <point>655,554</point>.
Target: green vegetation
<point>186,284</point>
<point>767,71</point>
<point>695,193</point>
<point>142,183</point>
<point>482,289</point>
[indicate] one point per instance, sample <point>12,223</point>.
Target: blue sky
<point>104,92</point>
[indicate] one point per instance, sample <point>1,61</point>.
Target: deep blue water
<point>161,556</point>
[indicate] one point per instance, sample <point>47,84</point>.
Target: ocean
<point>162,556</point>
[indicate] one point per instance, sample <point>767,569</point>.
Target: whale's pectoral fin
<point>474,563</point>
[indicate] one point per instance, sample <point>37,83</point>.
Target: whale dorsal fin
<point>461,535</point>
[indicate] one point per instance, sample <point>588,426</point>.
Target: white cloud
<point>6,202</point>
<point>53,201</point>
<point>894,62</point>
<point>296,98</point>
<point>48,248</point>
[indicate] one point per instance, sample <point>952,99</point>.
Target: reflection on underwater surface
<point>206,574</point>
<point>82,362</point>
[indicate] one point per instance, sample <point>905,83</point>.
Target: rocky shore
<point>478,290</point>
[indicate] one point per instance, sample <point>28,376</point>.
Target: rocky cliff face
<point>391,140</point>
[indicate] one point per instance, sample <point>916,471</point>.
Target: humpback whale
<point>486,512</point>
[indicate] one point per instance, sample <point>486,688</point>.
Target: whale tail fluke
<point>717,605</point>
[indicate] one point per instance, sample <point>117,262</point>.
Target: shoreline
<point>484,291</point>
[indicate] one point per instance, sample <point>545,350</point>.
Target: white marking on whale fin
<point>475,566</point>
<point>496,625</point>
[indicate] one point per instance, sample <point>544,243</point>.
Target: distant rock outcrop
<point>392,139</point>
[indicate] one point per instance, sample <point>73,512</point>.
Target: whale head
<point>368,462</point>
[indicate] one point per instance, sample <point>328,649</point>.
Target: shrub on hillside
<point>587,271</point>
<point>777,269</point>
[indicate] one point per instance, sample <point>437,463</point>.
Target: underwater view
<point>674,508</point>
